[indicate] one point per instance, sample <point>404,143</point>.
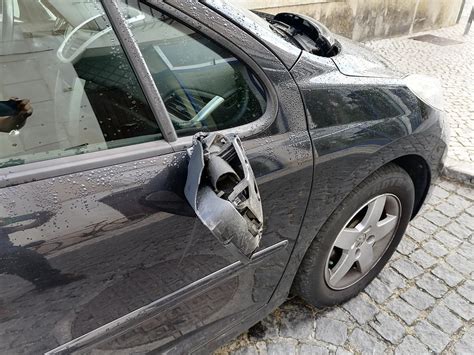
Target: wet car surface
<point>101,248</point>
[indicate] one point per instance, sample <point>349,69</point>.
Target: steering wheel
<point>202,115</point>
<point>79,39</point>
<point>213,105</point>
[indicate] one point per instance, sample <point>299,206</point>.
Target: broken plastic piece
<point>222,190</point>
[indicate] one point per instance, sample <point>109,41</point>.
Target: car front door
<point>99,248</point>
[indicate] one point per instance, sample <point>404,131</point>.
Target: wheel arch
<point>420,174</point>
<point>416,167</point>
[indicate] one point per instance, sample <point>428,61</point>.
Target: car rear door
<point>99,248</point>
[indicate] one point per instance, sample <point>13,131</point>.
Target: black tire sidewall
<point>313,286</point>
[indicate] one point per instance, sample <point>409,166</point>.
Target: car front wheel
<point>358,239</point>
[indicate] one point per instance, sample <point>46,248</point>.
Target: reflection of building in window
<point>75,112</point>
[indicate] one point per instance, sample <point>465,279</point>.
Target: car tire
<point>319,279</point>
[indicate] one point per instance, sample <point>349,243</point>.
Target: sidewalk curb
<point>462,172</point>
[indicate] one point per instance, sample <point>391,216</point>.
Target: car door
<point>99,248</point>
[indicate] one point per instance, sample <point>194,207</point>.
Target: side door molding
<point>137,317</point>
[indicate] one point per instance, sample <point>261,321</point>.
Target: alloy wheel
<point>363,241</point>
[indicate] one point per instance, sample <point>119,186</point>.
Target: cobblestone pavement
<point>454,66</point>
<point>422,302</point>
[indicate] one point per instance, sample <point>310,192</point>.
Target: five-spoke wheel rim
<point>363,241</point>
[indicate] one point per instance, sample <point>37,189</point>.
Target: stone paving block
<point>457,200</point>
<point>470,210</point>
<point>297,323</point>
<point>439,192</point>
<point>312,349</point>
<point>449,209</point>
<point>464,345</point>
<point>366,343</point>
<point>422,258</point>
<point>336,313</point>
<point>435,248</point>
<point>467,290</point>
<point>434,200</point>
<point>444,319</point>
<point>466,192</point>
<point>466,220</point>
<point>410,345</point>
<point>466,250</point>
<point>392,278</point>
<point>378,291</point>
<point>406,246</point>
<point>268,328</point>
<point>432,285</point>
<point>435,339</point>
<point>331,331</point>
<point>437,218</point>
<point>403,310</point>
<point>361,309</point>
<point>407,268</point>
<point>458,230</point>
<point>424,225</point>
<point>416,234</point>
<point>418,299</point>
<point>281,347</point>
<point>447,239</point>
<point>247,350</point>
<point>448,274</point>
<point>460,263</point>
<point>342,351</point>
<point>448,185</point>
<point>459,305</point>
<point>388,327</point>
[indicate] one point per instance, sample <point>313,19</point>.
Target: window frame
<point>41,170</point>
<point>244,131</point>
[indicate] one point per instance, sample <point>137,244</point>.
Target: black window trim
<point>41,170</point>
<point>137,62</point>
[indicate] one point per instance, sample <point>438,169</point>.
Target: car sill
<point>151,310</point>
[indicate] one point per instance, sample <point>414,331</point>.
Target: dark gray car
<point>171,170</point>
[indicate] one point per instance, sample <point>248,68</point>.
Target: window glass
<point>204,86</point>
<point>66,86</point>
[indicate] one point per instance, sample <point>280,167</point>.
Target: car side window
<point>66,86</point>
<point>203,85</point>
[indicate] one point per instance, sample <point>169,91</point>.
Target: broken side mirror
<point>222,190</point>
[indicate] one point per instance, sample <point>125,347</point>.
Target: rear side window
<point>66,87</point>
<point>203,85</point>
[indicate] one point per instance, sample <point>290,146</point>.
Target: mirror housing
<point>222,190</point>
